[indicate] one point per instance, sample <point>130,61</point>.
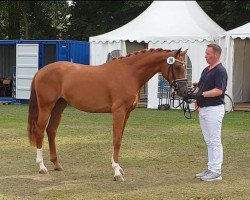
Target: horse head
<point>174,71</point>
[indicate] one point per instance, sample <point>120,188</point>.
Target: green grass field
<point>161,152</point>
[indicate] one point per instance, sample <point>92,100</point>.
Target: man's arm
<point>212,93</point>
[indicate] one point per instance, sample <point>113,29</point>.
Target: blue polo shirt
<point>210,79</point>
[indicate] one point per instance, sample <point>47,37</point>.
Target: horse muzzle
<point>180,86</point>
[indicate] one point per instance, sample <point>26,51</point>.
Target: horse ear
<point>177,54</point>
<point>184,52</point>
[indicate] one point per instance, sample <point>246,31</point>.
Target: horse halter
<point>175,82</point>
<point>175,85</point>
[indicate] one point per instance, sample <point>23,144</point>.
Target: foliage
<point>33,19</point>
<point>58,20</point>
<point>228,14</point>
<point>91,18</point>
<point>105,16</point>
<point>3,20</point>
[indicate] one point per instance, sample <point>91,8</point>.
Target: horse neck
<point>145,66</point>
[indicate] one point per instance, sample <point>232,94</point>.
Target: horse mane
<point>143,51</point>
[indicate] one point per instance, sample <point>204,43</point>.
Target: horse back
<point>88,88</point>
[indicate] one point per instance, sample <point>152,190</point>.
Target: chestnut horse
<point>112,87</point>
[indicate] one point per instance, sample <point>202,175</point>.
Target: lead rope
<point>183,105</point>
<point>186,109</point>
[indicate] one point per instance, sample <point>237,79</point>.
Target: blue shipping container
<point>48,51</point>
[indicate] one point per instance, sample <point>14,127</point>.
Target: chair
<point>6,87</point>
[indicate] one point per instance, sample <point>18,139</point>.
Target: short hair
<point>216,48</point>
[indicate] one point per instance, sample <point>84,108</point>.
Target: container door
<point>26,67</point>
<point>62,52</point>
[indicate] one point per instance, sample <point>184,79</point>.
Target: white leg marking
<point>39,161</point>
<point>117,170</point>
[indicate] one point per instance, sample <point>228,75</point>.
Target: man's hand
<point>195,85</point>
<point>192,96</point>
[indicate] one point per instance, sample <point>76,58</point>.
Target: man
<point>209,94</point>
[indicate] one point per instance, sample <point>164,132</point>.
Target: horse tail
<point>32,114</point>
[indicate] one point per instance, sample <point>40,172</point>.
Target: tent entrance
<point>241,71</point>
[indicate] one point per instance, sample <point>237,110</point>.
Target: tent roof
<point>241,32</point>
<point>166,21</point>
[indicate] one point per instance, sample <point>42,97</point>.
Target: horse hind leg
<point>43,117</point>
<point>51,129</point>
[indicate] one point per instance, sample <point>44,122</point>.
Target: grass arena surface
<point>161,152</point>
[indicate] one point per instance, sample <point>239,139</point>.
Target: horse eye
<point>177,67</point>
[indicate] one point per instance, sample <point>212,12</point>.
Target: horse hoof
<point>43,171</point>
<point>58,169</point>
<point>118,178</point>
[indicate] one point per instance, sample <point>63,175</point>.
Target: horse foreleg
<point>51,129</point>
<point>118,171</point>
<point>119,121</point>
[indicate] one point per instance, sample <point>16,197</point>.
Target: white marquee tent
<point>236,44</point>
<point>164,24</point>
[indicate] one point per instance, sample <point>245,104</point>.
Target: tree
<point>3,20</point>
<point>91,18</point>
<point>56,20</point>
<point>227,14</point>
<point>33,19</point>
<point>14,19</point>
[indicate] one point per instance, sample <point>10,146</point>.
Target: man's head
<point>212,54</point>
